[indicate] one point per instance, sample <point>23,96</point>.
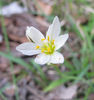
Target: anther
<point>48,38</point>
<point>48,49</point>
<point>53,41</point>
<point>43,39</point>
<point>37,47</point>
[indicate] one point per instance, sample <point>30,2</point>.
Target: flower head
<point>45,47</point>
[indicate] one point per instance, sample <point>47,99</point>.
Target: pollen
<point>48,49</point>
<point>37,47</point>
<point>43,39</point>
<point>48,38</point>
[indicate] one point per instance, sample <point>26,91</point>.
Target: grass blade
<point>16,60</point>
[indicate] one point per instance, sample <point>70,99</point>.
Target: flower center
<point>47,47</point>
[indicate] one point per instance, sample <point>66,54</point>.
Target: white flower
<point>46,48</point>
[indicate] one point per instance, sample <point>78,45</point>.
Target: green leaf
<point>39,68</point>
<point>69,65</point>
<point>80,76</point>
<point>76,63</point>
<point>55,83</point>
<point>74,26</point>
<point>16,60</point>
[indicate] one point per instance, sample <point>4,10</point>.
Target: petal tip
<point>57,58</point>
<point>56,17</point>
<point>28,27</point>
<point>18,48</point>
<point>66,36</point>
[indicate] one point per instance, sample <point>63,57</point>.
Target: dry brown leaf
<point>1,38</point>
<point>42,21</point>
<point>46,8</point>
<point>91,97</point>
<point>68,93</point>
<point>17,26</point>
<point>15,37</point>
<point>10,90</point>
<point>63,93</point>
<point>4,63</point>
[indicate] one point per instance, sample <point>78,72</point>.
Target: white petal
<point>34,34</point>
<point>28,48</point>
<point>56,58</point>
<point>42,59</point>
<point>60,41</point>
<point>54,29</point>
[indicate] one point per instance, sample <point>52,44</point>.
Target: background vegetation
<point>77,18</point>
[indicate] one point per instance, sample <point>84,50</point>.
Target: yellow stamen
<point>37,47</point>
<point>48,49</point>
<point>48,38</point>
<point>53,41</point>
<point>43,39</point>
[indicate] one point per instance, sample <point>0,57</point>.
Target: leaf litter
<point>26,87</point>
